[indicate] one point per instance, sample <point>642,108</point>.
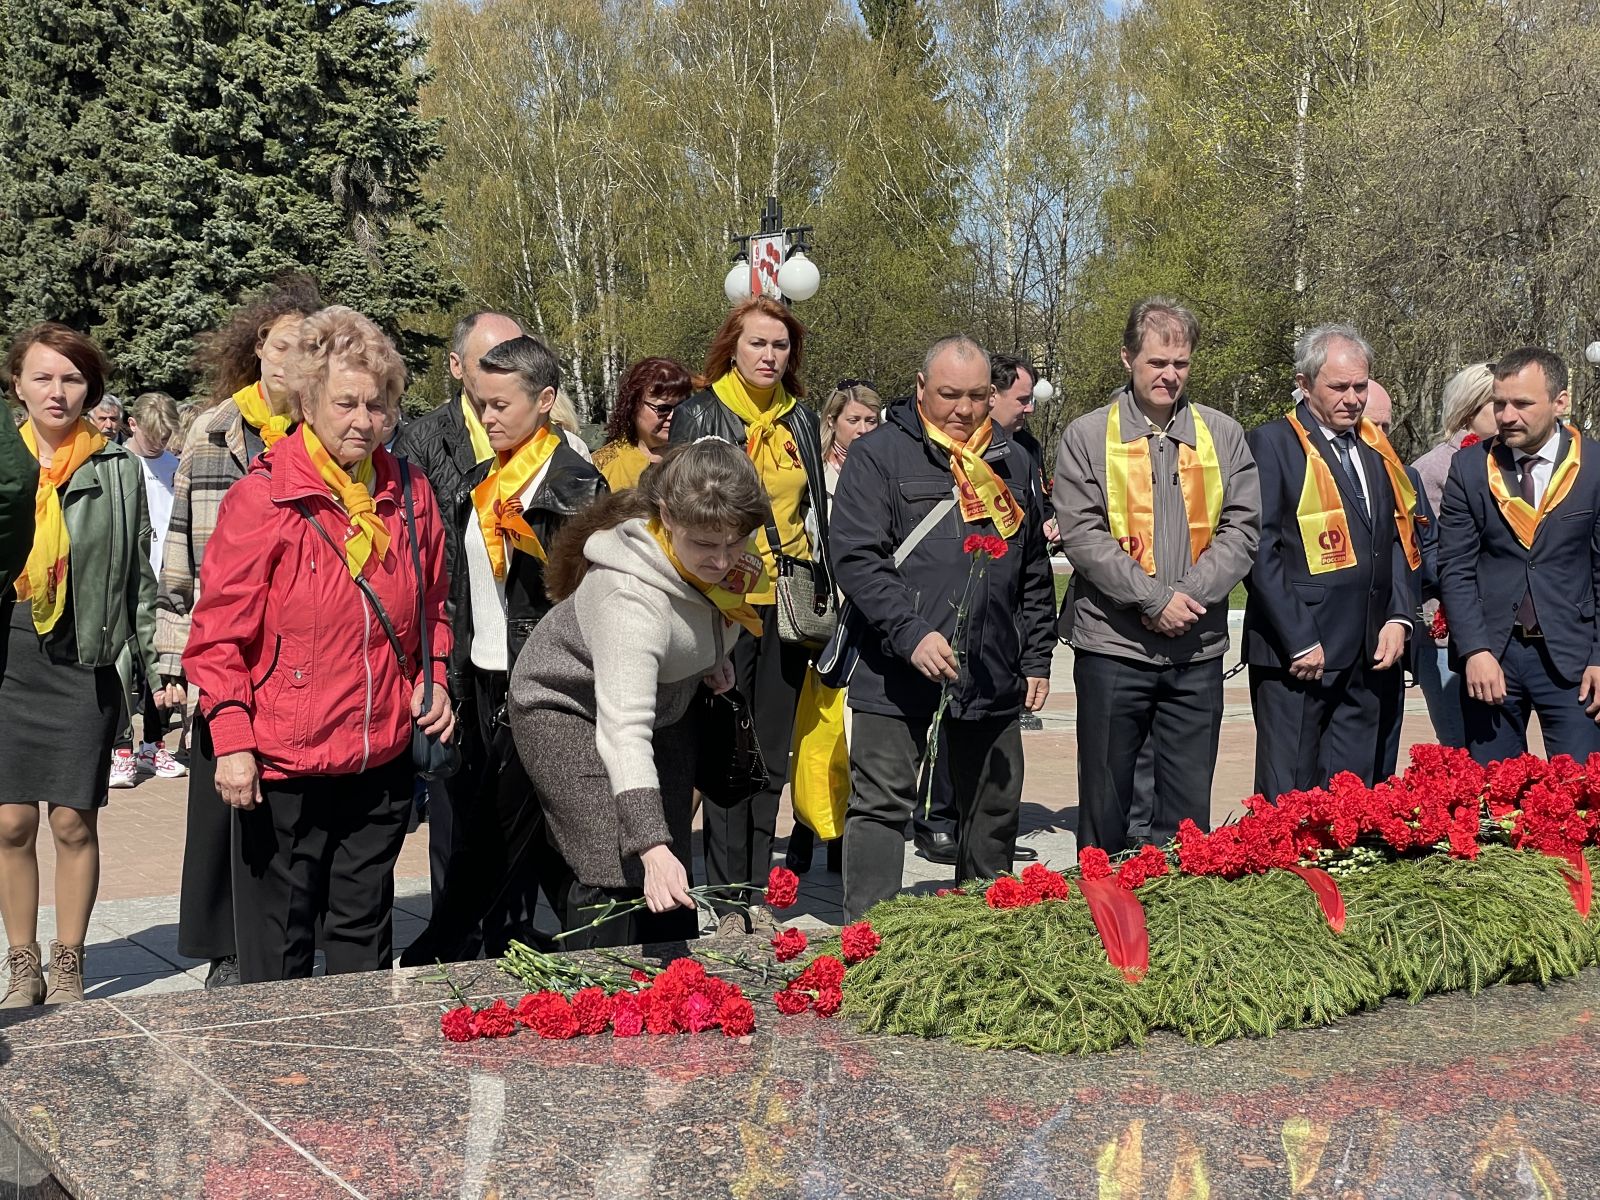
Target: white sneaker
<point>124,772</point>
<point>153,759</point>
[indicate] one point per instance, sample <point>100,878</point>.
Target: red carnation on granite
<point>554,1018</point>
<point>592,1008</point>
<point>1044,884</point>
<point>783,888</point>
<point>788,945</point>
<point>828,1001</point>
<point>824,971</point>
<point>496,1021</point>
<point>1093,863</point>
<point>626,1019</point>
<point>737,1016</point>
<point>1007,892</point>
<point>458,1024</point>
<point>697,1013</point>
<point>791,1001</point>
<point>859,942</point>
<point>660,1018</point>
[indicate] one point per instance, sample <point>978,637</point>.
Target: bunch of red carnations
<point>681,999</point>
<point>1036,884</point>
<point>1094,864</point>
<point>819,987</point>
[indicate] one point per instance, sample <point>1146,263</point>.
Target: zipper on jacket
<point>366,663</point>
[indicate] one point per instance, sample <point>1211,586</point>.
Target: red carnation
<point>951,892</point>
<point>860,942</point>
<point>592,1008</point>
<point>1093,863</point>
<point>995,546</point>
<point>973,544</point>
<point>555,1019</point>
<point>828,1001</point>
<point>783,888</point>
<point>824,971</point>
<point>458,1025</point>
<point>791,1001</point>
<point>626,1018</point>
<point>1471,439</point>
<point>789,944</point>
<point>496,1021</point>
<point>660,1018</point>
<point>1007,892</point>
<point>1044,884</point>
<point>697,1013</point>
<point>639,976</point>
<point>737,1017</point>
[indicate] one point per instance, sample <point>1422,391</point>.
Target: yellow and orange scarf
<point>1324,527</point>
<point>498,499</point>
<point>354,492</point>
<point>43,582</point>
<point>731,595</point>
<point>1523,518</point>
<point>770,445</point>
<point>984,495</point>
<point>257,412</point>
<point>1130,491</point>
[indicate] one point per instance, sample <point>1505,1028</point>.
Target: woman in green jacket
<point>85,592</point>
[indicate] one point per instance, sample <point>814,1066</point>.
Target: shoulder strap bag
<point>838,659</point>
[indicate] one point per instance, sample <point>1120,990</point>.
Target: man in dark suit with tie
<point>1331,593</point>
<point>1519,565</point>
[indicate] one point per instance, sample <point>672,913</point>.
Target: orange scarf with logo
<point>730,595</point>
<point>984,495</point>
<point>498,499</point>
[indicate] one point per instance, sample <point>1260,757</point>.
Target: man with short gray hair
<point>1159,512</point>
<point>108,418</point>
<point>912,492</point>
<point>1332,591</point>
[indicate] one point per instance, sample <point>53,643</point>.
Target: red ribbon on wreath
<point>1327,892</point>
<point>1119,917</point>
<point>1578,880</point>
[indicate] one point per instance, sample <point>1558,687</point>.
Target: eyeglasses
<point>845,385</point>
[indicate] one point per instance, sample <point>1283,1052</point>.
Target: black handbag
<point>432,757</point>
<point>728,768</point>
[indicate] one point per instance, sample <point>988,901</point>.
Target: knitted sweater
<point>625,653</point>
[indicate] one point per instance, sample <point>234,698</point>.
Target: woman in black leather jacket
<point>535,483</point>
<point>750,395</point>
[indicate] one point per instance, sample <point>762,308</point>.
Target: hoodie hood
<point>631,549</point>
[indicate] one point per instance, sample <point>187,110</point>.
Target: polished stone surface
<point>343,1087</point>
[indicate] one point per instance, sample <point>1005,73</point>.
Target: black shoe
<point>836,856</point>
<point>801,844</point>
<point>1024,854</point>
<point>224,973</point>
<point>938,848</point>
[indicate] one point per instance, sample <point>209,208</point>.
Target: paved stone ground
<point>132,947</point>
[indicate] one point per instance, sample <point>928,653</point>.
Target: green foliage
<point>209,147</point>
<point>1228,959</point>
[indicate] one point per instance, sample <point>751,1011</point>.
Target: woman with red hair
<point>641,419</point>
<point>750,395</point>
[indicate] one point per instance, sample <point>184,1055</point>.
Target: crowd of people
<point>472,618</point>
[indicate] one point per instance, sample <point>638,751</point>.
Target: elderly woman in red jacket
<point>309,698</point>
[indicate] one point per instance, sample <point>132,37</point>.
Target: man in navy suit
<point>1331,593</point>
<point>1519,565</point>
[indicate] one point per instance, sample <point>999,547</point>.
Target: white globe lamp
<point>1042,391</point>
<point>798,277</point>
<point>736,286</point>
<point>1592,353</point>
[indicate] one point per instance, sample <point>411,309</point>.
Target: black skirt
<point>60,723</point>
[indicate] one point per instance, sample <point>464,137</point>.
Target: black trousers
<point>1123,706</point>
<point>1307,731</point>
<point>322,851</point>
<point>769,674</point>
<point>938,814</point>
<point>205,896</point>
<point>986,767</point>
<point>501,852</point>
<point>1533,685</point>
<point>638,928</point>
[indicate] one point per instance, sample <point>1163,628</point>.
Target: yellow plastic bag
<point>819,776</point>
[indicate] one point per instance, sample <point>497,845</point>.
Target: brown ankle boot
<point>66,974</point>
<point>27,977</point>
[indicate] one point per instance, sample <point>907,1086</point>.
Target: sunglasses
<point>660,410</point>
<point>845,385</point>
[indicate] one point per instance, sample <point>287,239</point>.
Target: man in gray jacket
<point>1160,513</point>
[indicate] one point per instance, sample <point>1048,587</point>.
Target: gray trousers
<point>885,752</point>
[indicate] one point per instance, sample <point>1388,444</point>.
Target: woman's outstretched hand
<point>666,883</point>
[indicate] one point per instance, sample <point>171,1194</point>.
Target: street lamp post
<point>772,261</point>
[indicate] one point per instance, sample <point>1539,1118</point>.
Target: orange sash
<point>1523,518</point>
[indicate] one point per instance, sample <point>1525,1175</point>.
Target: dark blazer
<point>1290,609</point>
<point>891,480</point>
<point>704,415</point>
<point>1484,570</point>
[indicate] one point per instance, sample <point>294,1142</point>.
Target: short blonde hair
<point>564,415</point>
<point>157,414</point>
<point>1468,390</point>
<point>338,333</point>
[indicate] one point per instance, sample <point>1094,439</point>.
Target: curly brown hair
<point>652,379</point>
<point>719,358</point>
<point>227,355</point>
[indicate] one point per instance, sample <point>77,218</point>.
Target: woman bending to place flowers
<point>653,584</point>
<point>309,701</point>
<point>87,592</point>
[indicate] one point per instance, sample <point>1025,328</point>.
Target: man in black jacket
<point>443,445</point>
<point>940,446</point>
<point>1519,567</point>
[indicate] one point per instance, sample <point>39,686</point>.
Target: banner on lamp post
<point>767,251</point>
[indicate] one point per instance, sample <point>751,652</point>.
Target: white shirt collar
<point>1548,451</point>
